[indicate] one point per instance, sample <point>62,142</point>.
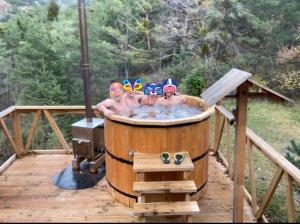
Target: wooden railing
<point>223,120</point>
<point>16,139</point>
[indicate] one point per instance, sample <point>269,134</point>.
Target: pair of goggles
<point>153,89</point>
<point>166,158</point>
<point>132,85</point>
<point>169,85</point>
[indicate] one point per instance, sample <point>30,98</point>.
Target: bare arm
<point>104,107</point>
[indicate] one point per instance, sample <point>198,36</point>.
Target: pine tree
<point>293,153</point>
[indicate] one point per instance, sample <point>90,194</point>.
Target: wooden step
<point>143,162</point>
<point>164,187</point>
<point>166,208</point>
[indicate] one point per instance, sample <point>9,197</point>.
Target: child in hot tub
<point>115,104</point>
<point>170,96</point>
<point>152,92</point>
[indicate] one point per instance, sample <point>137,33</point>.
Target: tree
<point>53,11</point>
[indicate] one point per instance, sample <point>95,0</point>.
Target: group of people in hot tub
<point>126,96</point>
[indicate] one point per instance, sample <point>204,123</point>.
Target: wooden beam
<point>217,129</point>
<point>251,176</point>
<point>49,151</point>
<point>249,200</point>
<point>274,156</point>
<point>6,112</point>
<point>226,114</point>
<point>9,137</point>
<point>17,132</point>
<point>228,148</point>
<point>239,158</point>
<point>32,129</point>
<point>290,197</point>
<point>8,163</point>
<point>275,181</point>
<point>57,131</point>
<point>218,136</point>
<point>273,94</point>
<point>97,113</point>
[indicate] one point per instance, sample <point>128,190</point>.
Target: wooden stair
<point>144,163</point>
<point>166,208</point>
<point>164,187</point>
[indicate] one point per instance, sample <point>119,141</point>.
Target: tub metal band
<point>200,157</point>
<point>122,192</point>
<point>158,126</point>
<point>200,188</point>
<point>119,159</point>
<point>131,163</point>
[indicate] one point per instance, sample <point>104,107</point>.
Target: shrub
<point>192,84</point>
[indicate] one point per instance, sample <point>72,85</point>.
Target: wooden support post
<point>251,176</point>
<point>239,158</point>
<point>290,197</point>
<point>32,129</point>
<point>140,177</point>
<point>9,137</point>
<point>57,131</point>
<point>17,132</point>
<point>269,193</point>
<point>217,129</point>
<point>228,147</point>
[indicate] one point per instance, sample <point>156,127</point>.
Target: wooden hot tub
<point>123,136</point>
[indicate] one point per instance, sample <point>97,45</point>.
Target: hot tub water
<point>161,112</point>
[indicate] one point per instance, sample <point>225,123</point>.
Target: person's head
<point>169,87</point>
<point>116,91</point>
<point>131,86</point>
<point>153,89</point>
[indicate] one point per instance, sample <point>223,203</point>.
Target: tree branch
<point>128,45</point>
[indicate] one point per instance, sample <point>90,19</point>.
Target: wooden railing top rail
<point>266,149</point>
<point>65,108</point>
<point>7,111</point>
<point>226,113</point>
<point>274,155</point>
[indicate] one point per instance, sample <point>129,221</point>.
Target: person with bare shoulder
<point>171,97</point>
<point>152,92</point>
<point>115,104</point>
<point>132,97</point>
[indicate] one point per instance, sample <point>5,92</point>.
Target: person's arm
<point>104,105</point>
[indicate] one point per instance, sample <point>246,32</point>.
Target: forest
<point>194,42</point>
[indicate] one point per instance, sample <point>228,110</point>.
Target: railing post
<point>252,176</point>
<point>217,130</point>
<point>239,158</point>
<point>17,132</point>
<point>290,198</point>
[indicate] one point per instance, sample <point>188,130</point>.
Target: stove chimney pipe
<point>85,67</point>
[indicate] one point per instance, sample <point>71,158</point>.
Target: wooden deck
<point>27,194</point>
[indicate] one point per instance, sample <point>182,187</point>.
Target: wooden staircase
<point>144,163</point>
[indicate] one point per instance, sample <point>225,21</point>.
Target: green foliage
<point>293,153</point>
<point>53,11</point>
<point>192,84</point>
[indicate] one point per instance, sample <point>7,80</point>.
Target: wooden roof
<point>234,78</point>
<point>229,82</point>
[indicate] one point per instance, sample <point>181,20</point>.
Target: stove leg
<point>94,165</point>
<point>76,163</point>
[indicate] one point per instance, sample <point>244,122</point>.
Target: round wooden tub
<point>123,136</point>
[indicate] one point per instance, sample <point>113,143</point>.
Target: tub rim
<point>208,111</point>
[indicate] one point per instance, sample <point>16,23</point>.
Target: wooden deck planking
<point>27,194</point>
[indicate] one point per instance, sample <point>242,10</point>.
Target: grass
<point>277,124</point>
